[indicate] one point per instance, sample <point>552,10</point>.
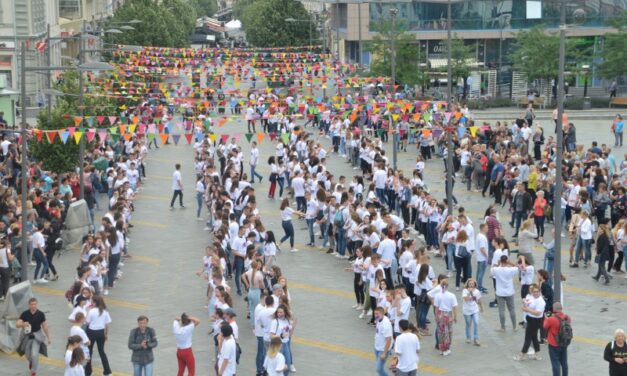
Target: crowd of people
<point>383,221</point>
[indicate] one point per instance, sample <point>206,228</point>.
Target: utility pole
<point>359,31</point>
<point>24,175</point>
<point>337,28</point>
<point>81,144</point>
<point>393,13</point>
<point>449,133</point>
<point>559,153</point>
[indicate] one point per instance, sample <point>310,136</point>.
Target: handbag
<point>463,252</point>
<point>597,259</point>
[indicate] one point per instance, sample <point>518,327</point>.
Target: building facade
<point>487,25</point>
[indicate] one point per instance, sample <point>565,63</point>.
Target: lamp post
<point>449,134</point>
<point>393,14</point>
<point>292,20</point>
<point>359,2</point>
<point>96,66</point>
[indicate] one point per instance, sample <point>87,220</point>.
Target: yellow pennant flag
<point>77,136</point>
<point>395,117</point>
<point>212,137</point>
<point>473,131</point>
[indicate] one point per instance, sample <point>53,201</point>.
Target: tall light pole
<point>24,175</point>
<point>449,133</point>
<point>393,14</point>
<point>359,2</point>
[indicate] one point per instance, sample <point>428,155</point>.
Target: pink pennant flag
<point>224,137</point>
<point>112,120</point>
<point>152,128</point>
<point>237,137</point>
<point>102,135</point>
<point>90,135</point>
<point>142,129</point>
<point>72,130</point>
<point>447,115</point>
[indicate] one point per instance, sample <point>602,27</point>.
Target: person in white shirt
<point>470,310</point>
<point>383,339</point>
<point>401,305</point>
<point>282,326</point>
<point>200,195</point>
<point>183,329</point>
<point>254,160</point>
<point>177,186</point>
<point>445,303</point>
<point>98,321</point>
<point>74,357</point>
<point>533,307</point>
<point>504,274</point>
<point>387,250</point>
<point>39,254</point>
<point>227,359</point>
<point>274,362</point>
<point>584,231</point>
<point>263,314</point>
<point>406,348</point>
<point>482,251</point>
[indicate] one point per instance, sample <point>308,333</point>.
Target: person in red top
<point>558,354</point>
<point>538,214</point>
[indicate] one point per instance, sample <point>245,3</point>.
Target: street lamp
<point>90,66</point>
<point>579,15</point>
<point>293,20</point>
<point>393,14</point>
<point>449,94</point>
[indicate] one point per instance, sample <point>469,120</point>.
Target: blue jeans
<point>423,311</point>
<point>261,354</point>
<point>254,173</point>
<point>287,354</point>
<point>548,266</point>
<point>238,265</point>
<point>517,218</point>
<point>585,243</point>
<point>324,229</point>
<point>472,320</point>
<point>481,266</point>
<point>381,195</point>
<point>42,262</point>
<point>199,200</point>
<point>288,227</point>
<point>310,224</point>
<point>281,181</point>
<point>450,253</point>
<point>380,364</point>
<point>341,241</point>
<point>254,295</point>
<point>559,360</point>
<point>145,368</point>
<point>433,233</point>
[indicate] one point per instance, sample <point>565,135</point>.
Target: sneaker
<point>477,343</point>
<point>468,341</point>
<point>292,368</point>
<point>354,306</point>
<point>535,357</point>
<point>519,358</point>
<point>106,292</point>
<point>362,315</point>
<point>293,250</point>
<point>369,313</point>
<point>345,257</point>
<point>171,207</point>
<point>32,263</point>
<point>337,255</point>
<point>207,228</point>
<point>42,280</point>
<point>360,307</point>
<point>446,353</point>
<point>330,250</point>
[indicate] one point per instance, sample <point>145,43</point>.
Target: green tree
<point>536,53</point>
<point>614,54</point>
<point>265,25</point>
<point>205,7</point>
<point>461,58</point>
<point>408,68</point>
<point>166,23</point>
<point>59,157</point>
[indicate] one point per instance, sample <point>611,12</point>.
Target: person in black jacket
<point>544,281</point>
<point>603,252</point>
<point>521,205</point>
<point>616,354</point>
<point>141,341</point>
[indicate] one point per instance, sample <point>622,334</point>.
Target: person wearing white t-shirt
<point>470,310</point>
<point>263,315</point>
<point>445,303</point>
<point>401,304</point>
<point>183,329</point>
<point>298,185</point>
<point>74,357</point>
<point>533,307</point>
<point>383,339</point>
<point>227,358</point>
<point>504,274</point>
<point>274,362</point>
<point>254,160</point>
<point>98,321</point>
<point>177,186</point>
<point>387,250</point>
<point>482,251</point>
<point>406,348</point>
<point>379,178</point>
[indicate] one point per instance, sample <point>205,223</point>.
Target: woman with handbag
<point>603,253</point>
<point>462,258</point>
<point>423,285</point>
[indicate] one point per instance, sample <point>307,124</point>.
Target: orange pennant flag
<point>135,120</point>
<point>259,137</point>
<point>78,120</point>
<point>122,129</point>
<point>164,137</point>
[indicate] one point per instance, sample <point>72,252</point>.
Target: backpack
<point>565,334</point>
<point>338,219</point>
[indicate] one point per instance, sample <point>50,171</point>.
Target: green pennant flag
<point>207,124</point>
<point>285,137</point>
<point>158,120</point>
<point>113,130</point>
<point>150,136</point>
<point>249,136</point>
<point>380,132</point>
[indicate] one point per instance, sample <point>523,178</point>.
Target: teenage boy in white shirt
<point>406,348</point>
<point>382,340</point>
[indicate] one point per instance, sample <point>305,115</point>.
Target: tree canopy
<point>166,23</point>
<point>614,54</point>
<point>204,7</point>
<point>265,25</point>
<point>408,69</point>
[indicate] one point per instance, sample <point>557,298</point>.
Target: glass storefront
<point>492,14</point>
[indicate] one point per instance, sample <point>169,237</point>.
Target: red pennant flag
<point>100,119</point>
<point>91,133</point>
<point>50,136</point>
<point>188,137</point>
<point>272,136</point>
<point>39,134</point>
<point>160,128</point>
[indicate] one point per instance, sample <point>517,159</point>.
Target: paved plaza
<point>167,248</point>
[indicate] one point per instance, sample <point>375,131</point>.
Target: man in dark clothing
<point>37,335</point>
<point>521,204</point>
